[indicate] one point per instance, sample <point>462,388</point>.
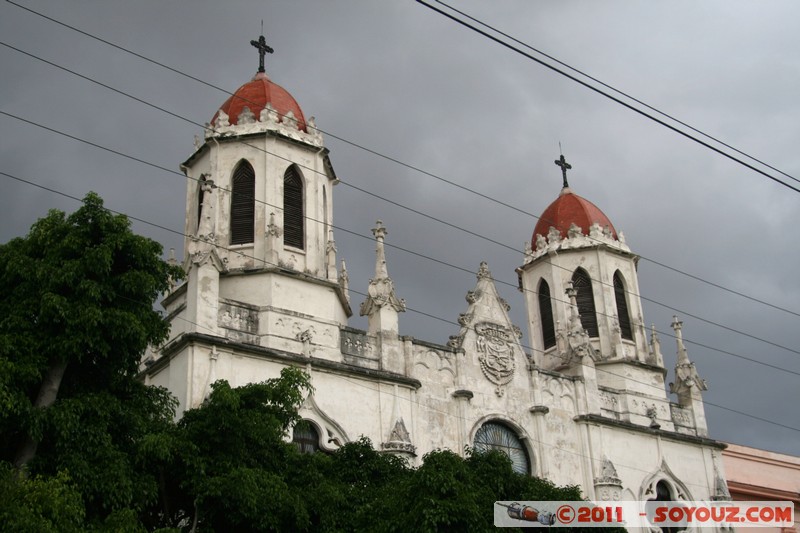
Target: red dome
<point>567,209</point>
<point>256,94</point>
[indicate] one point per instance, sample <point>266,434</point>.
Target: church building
<point>585,405</point>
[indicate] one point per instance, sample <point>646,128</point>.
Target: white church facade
<point>264,290</point>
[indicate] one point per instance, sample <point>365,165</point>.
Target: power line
<point>429,315</point>
<point>365,191</point>
<point>406,165</point>
<point>116,152</point>
<point>610,97</point>
<point>607,86</point>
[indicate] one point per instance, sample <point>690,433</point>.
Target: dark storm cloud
<point>403,81</point>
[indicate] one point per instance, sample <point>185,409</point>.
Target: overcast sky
<point>405,82</point>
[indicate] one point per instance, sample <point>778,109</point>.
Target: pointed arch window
<point>243,204</point>
<point>306,437</point>
<point>546,315</point>
<point>585,299</point>
<point>293,213</point>
<point>622,307</point>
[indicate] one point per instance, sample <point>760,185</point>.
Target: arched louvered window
<point>243,204</point>
<point>306,437</point>
<point>585,297</point>
<point>546,315</point>
<point>293,215</point>
<point>496,436</point>
<point>622,307</point>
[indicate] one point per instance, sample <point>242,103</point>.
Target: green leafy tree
<point>76,315</point>
<point>230,466</point>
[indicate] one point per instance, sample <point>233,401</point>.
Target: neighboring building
<point>759,475</point>
<point>264,291</point>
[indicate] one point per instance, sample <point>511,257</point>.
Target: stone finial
<point>223,120</point>
<point>246,116</point>
<point>483,271</point>
<point>205,228</point>
<point>655,346</point>
<point>686,376</point>
<point>344,282</point>
<point>577,343</point>
<point>553,236</point>
<point>330,256</point>
<point>574,231</point>
<point>528,252</point>
<point>381,288</point>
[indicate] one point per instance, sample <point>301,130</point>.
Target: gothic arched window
<point>496,436</point>
<point>622,307</point>
<point>293,213</point>
<point>585,298</point>
<point>306,437</point>
<point>546,315</point>
<point>243,204</point>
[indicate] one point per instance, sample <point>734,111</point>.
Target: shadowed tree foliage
<point>85,446</point>
<point>76,315</point>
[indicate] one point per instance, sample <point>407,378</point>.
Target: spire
<point>381,297</point>
<point>686,377</point>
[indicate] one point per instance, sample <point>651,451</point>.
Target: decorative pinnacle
<point>263,49</point>
<point>379,231</point>
<point>562,162</point>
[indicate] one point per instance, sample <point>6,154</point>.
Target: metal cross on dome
<point>263,49</point>
<point>562,162</point>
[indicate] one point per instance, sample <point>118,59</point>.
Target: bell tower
<point>582,296</point>
<point>260,253</point>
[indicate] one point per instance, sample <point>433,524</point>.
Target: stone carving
<point>238,318</point>
<point>574,231</point>
<point>554,237</point>
<point>223,120</point>
<point>399,439</point>
<point>528,253</point>
<point>273,229</point>
<point>607,484</point>
<point>268,114</point>
<point>358,344</point>
<point>380,292</point>
<point>246,116</point>
<point>344,282</point>
<point>721,492</point>
<point>306,336</point>
<point>464,319</point>
<point>541,243</point>
<point>574,341</point>
<point>205,229</point>
<point>473,296</point>
<point>330,256</point>
<point>495,345</point>
<point>686,376</point>
<point>681,416</point>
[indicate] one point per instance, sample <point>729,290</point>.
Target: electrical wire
<point>267,263</point>
<point>392,202</point>
<point>116,152</point>
<point>613,98</point>
<point>396,161</point>
<point>607,86</point>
